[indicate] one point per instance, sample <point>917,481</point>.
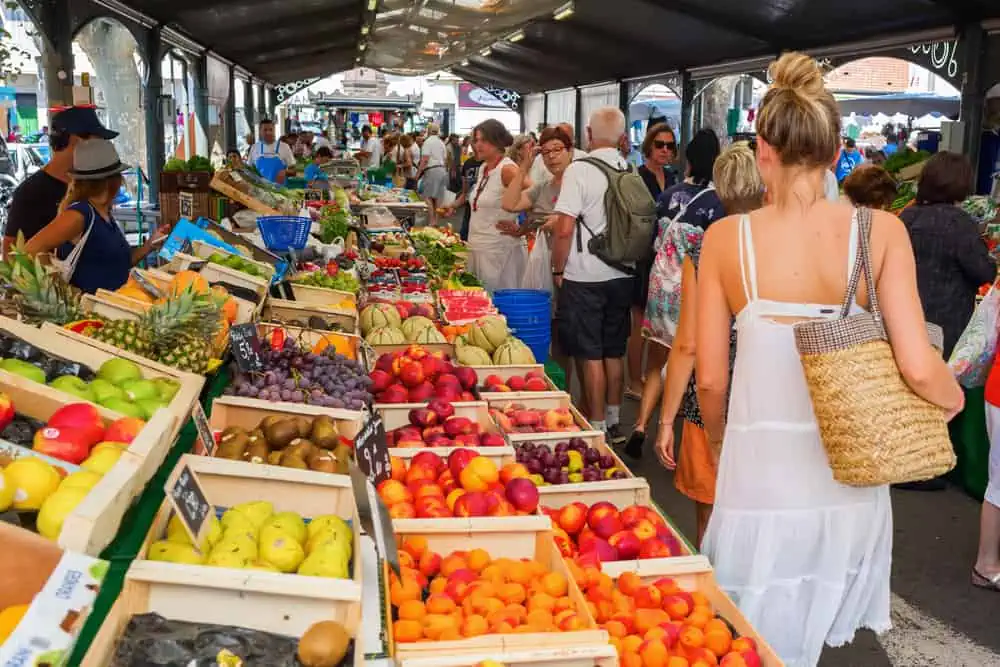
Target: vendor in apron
<point>269,156</point>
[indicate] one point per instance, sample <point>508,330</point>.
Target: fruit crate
<point>593,439</point>
<point>623,493</point>
<point>247,413</point>
<point>93,524</point>
<point>321,296</point>
<point>347,344</point>
<point>229,483</point>
<point>565,656</point>
<point>204,250</point>
<point>77,347</point>
<point>396,415</point>
<point>553,401</point>
<point>283,311</point>
<point>506,537</point>
<point>246,310</point>
<point>446,349</point>
<point>149,588</point>
<point>507,372</point>
<point>694,576</point>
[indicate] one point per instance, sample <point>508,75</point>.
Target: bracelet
<point>557,273</point>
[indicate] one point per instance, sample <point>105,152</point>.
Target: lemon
<point>81,479</point>
<point>33,480</point>
<point>103,461</point>
<point>56,508</point>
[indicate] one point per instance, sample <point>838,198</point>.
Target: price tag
<point>315,194</point>
<point>371,450</point>
<point>205,444</point>
<point>374,516</point>
<point>188,499</point>
<point>246,347</point>
<point>367,355</point>
<point>186,201</point>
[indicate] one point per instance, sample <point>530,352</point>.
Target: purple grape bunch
<point>293,375</point>
<point>555,466</point>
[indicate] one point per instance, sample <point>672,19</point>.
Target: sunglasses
<point>660,145</point>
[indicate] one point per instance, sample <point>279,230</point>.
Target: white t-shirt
<point>373,146</point>
<point>434,150</point>
<point>319,141</point>
<point>582,193</point>
<point>284,151</point>
<point>539,172</point>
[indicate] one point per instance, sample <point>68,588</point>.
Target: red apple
<point>467,440</point>
<point>6,411</point>
<point>626,543</point>
<point>380,380</point>
<point>491,440</point>
<point>65,444</point>
<point>603,550</point>
<point>607,525</point>
<point>516,383</point>
<point>457,425</point>
<point>467,377</point>
<point>396,393</point>
<point>411,374</point>
<point>473,503</point>
<point>522,494</point>
<point>384,362</point>
<point>447,393</point>
<point>421,393</point>
<point>123,430</point>
<point>431,459</point>
<point>443,409</point>
<point>423,417</point>
<point>431,366</point>
<point>654,548</point>
<point>438,440</point>
<point>81,417</point>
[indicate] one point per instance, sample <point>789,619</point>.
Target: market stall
<point>377,467</point>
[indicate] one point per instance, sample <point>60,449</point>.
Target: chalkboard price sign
<point>205,445</point>
<point>374,517</point>
<point>188,499</point>
<point>371,449</point>
<point>186,204</point>
<point>315,194</point>
<point>246,347</point>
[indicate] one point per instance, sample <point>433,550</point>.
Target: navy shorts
<point>593,319</point>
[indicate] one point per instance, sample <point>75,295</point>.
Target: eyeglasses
<point>553,152</point>
<point>660,145</point>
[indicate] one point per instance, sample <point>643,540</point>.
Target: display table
<point>972,445</point>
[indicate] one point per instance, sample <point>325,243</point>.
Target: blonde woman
<point>738,185</point>
<point>807,559</point>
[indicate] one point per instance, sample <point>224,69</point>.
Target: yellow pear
<point>263,565</point>
<point>81,479</point>
<point>227,559</point>
<point>289,522</point>
<point>56,508</point>
<point>103,461</point>
<point>238,522</point>
<point>177,533</point>
<point>322,564</point>
<point>321,540</point>
<point>33,480</point>
<point>257,511</point>
<point>280,549</point>
<point>239,543</point>
<point>327,523</point>
<point>171,552</point>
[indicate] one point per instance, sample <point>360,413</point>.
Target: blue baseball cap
<point>80,122</point>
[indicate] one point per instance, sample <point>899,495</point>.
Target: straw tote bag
<point>874,428</point>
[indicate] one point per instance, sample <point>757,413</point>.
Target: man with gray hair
<point>594,298</point>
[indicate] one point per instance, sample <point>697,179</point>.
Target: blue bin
<point>281,232</point>
<point>529,316</point>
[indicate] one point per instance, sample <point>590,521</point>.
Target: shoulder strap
<point>606,169</point>
<point>685,207</point>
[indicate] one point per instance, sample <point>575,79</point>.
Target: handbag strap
<point>863,265</point>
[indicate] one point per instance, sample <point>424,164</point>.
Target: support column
<point>973,92</point>
<point>578,121</point>
<point>261,103</point>
<point>623,100</point>
<point>201,104</point>
<point>687,112</point>
<point>249,111</point>
<point>545,109</point>
<point>272,102</point>
<point>53,18</point>
<point>152,101</point>
<point>230,114</point>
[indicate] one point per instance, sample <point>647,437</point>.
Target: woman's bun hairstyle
<point>798,116</point>
<point>493,132</point>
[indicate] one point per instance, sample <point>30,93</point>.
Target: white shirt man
<point>435,152</point>
<point>372,146</point>
<point>283,151</point>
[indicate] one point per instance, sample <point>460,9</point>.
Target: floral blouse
<point>674,241</point>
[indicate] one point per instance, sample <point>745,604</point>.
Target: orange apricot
<point>692,637</point>
<point>629,659</point>
<point>415,545</point>
<point>519,573</point>
<point>616,629</point>
<point>649,618</point>
<point>653,653</point>
<point>718,641</point>
<point>438,585</point>
<point>436,624</point>
<point>449,634</point>
<point>401,591</point>
<point>412,610</point>
<point>517,612</point>
<point>677,661</point>
<point>629,583</point>
<point>406,630</point>
<point>541,601</point>
<point>631,643</point>
<point>539,619</point>
<point>440,604</point>
<point>452,563</point>
<point>512,592</point>
<point>698,618</point>
<point>478,559</point>
<point>562,603</point>
<point>555,584</point>
<point>474,625</point>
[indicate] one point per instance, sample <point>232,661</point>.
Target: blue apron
<point>270,165</point>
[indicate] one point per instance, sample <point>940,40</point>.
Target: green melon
<point>414,325</point>
<point>385,336</point>
<point>513,353</point>
<point>377,316</point>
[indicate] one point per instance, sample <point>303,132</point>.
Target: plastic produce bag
<point>538,272</point>
<point>972,357</point>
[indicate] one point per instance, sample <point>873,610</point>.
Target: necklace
<point>487,173</point>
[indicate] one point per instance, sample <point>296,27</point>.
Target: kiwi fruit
<point>324,644</point>
<point>269,421</point>
<point>258,452</point>
<point>300,447</point>
<point>274,458</point>
<point>231,431</point>
<point>293,462</point>
<point>322,461</point>
<point>280,434</point>
<point>324,432</point>
<point>233,449</point>
<point>305,425</point>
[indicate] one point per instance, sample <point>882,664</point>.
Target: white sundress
<point>806,558</point>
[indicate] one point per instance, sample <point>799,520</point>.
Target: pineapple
<point>129,335</point>
<point>183,327</point>
<point>42,296</point>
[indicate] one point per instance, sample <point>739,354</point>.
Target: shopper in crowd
<point>538,201</point>
<point>739,187</point>
<point>849,159</point>
<point>594,298</point>
<point>695,202</point>
<point>496,257</point>
<point>407,158</point>
<point>314,175</point>
<point>454,162</point>
<point>659,150</point>
<point>387,167</point>
<point>466,148</point>
<point>522,143</point>
<point>36,200</point>
<point>871,186</point>
<point>538,171</point>
<point>370,155</point>
<point>470,174</point>
<point>986,569</point>
<point>271,158</point>
<point>806,558</point>
<point>433,171</point>
<point>84,235</point>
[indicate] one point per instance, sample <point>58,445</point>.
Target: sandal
<point>982,581</point>
<point>633,395</point>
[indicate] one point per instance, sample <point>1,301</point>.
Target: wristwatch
<point>556,273</point>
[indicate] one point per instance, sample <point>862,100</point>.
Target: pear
<point>166,388</point>
<point>235,520</point>
<point>263,566</point>
<point>280,549</point>
<point>323,565</point>
<point>257,511</point>
<point>239,543</point>
<point>231,559</point>
<point>289,522</point>
<point>171,552</point>
<point>333,540</point>
<point>177,533</point>
<point>118,371</point>
<point>328,523</point>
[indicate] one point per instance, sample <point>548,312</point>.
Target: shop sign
<point>474,97</point>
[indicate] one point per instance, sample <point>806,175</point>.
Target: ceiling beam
<point>962,11</point>
<point>250,44</point>
<point>237,29</point>
<point>289,73</point>
<point>720,19</point>
<point>273,59</point>
<point>528,75</point>
<point>597,49</point>
<point>525,54</point>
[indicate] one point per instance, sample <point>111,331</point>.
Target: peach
<point>429,564</point>
<point>432,508</point>
<point>629,583</point>
<point>405,630</point>
<point>653,653</point>
<point>398,468</point>
<point>677,661</point>
<point>474,625</point>
<point>741,644</point>
<point>502,507</point>
<point>654,548</point>
<point>648,597</point>
<point>718,641</point>
<point>678,605</point>
<point>392,491</point>
<point>412,610</point>
<point>427,458</point>
<point>436,624</point>
<point>600,510</point>
<point>402,591</point>
<point>473,503</point>
<point>417,473</point>
<point>439,604</point>
<point>626,544</point>
<point>573,517</point>
<point>427,489</point>
<point>667,586</point>
<point>644,529</point>
<point>402,511</point>
<point>479,474</point>
<point>513,471</point>
<point>691,637</point>
<point>648,618</point>
<point>631,515</point>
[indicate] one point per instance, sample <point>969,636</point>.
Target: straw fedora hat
<point>95,159</point>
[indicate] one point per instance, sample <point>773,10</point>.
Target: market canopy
<point>908,104</point>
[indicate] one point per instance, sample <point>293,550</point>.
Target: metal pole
<point>578,121</point>
<point>687,110</point>
<point>231,111</point>
<point>201,105</point>
<point>173,94</point>
<point>155,139</point>
<point>973,93</point>
<point>54,18</point>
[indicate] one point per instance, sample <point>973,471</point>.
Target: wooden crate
<point>533,401</point>
<point>228,483</point>
<point>348,344</point>
<point>622,493</point>
<point>446,349</point>
<point>321,296</point>
<point>500,456</point>
<point>204,250</point>
<point>71,345</point>
<point>505,373</point>
<point>222,187</point>
<point>501,537</point>
<point>563,656</point>
<point>93,524</point>
<point>693,576</point>
<point>284,311</point>
<point>247,413</point>
<point>592,438</point>
<point>212,599</point>
<point>396,415</point>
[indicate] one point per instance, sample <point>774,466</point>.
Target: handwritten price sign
<point>246,347</point>
<point>188,498</point>
<point>371,449</point>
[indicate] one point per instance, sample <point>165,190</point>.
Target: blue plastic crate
<point>281,232</point>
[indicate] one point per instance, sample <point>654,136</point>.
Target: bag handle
<point>863,264</point>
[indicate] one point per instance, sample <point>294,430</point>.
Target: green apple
<point>166,388</point>
<point>101,390</point>
<point>136,389</point>
<point>118,371</point>
<point>24,369</point>
<point>149,406</point>
<point>123,406</point>
<point>74,385</point>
